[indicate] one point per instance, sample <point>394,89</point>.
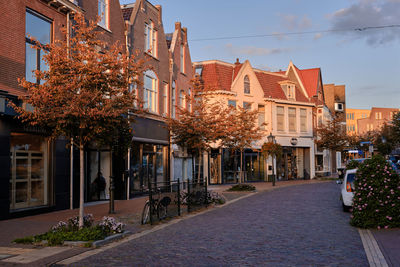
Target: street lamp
<point>271,139</point>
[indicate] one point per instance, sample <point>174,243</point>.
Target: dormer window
<point>246,84</point>
<point>198,70</point>
<point>290,92</point>
<point>289,89</point>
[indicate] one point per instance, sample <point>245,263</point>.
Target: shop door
<point>251,166</point>
<point>148,170</point>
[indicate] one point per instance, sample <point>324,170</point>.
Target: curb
<point>97,243</point>
<point>374,254</point>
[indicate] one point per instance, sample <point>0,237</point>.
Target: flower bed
<point>242,187</point>
<point>70,231</point>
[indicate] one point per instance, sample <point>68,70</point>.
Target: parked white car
<point>347,189</point>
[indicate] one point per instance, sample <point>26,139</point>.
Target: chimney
<point>159,13</point>
<point>237,61</point>
<point>177,25</point>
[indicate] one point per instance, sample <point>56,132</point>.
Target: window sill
<point>249,95</point>
<point>104,28</point>
<point>152,56</point>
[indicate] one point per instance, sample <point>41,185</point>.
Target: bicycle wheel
<point>161,211</point>
<point>146,213</point>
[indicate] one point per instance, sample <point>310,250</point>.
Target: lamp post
<point>271,139</point>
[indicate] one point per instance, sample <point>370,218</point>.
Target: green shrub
<point>353,164</point>
<point>25,240</point>
<point>242,187</point>
<point>376,200</point>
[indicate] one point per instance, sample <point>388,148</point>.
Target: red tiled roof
<point>220,77</point>
<point>309,78</point>
<point>217,76</point>
<point>127,12</point>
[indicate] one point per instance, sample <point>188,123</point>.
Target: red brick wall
<point>160,64</point>
<point>116,29</point>
<point>12,41</point>
<point>182,80</point>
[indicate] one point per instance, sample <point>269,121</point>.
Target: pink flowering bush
<point>376,202</point>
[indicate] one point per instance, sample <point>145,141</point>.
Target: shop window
<point>29,171</point>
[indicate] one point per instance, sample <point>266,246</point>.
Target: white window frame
<point>303,120</point>
<point>102,12</point>
<point>150,39</point>
<point>182,101</point>
<point>280,117</point>
<point>293,117</point>
<point>173,100</point>
<point>150,94</point>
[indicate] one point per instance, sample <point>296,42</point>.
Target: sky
<point>332,37</point>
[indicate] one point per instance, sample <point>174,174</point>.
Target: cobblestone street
<point>294,226</point>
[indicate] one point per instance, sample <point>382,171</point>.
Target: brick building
<point>149,155</point>
<point>377,118</point>
<point>352,116</point>
<point>181,74</point>
<point>35,171</point>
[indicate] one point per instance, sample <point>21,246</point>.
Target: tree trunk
<point>200,161</point>
<point>81,184</point>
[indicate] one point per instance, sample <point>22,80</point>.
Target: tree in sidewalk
<point>85,91</point>
<point>274,150</point>
<point>200,126</point>
<point>332,135</point>
<point>241,130</point>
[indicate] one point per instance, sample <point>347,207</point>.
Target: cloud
<point>254,51</point>
<point>317,36</point>
<point>293,22</point>
<point>369,13</point>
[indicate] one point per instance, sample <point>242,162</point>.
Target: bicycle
<point>158,207</point>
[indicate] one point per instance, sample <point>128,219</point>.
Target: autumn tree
<point>332,135</point>
<point>241,131</point>
<point>275,151</point>
<point>199,127</point>
<point>84,93</point>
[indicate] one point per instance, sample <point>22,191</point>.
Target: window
<point>103,13</point>
<point>38,27</point>
<point>303,120</point>
<point>338,106</point>
<point>261,116</point>
<point>246,105</point>
<point>150,39</point>
<point>182,98</point>
<point>189,100</point>
<point>378,115</point>
<point>165,99</point>
<point>246,84</point>
<point>150,91</point>
<point>173,100</point>
<point>290,92</point>
<point>280,118</point>
<point>29,171</point>
<point>198,70</point>
<point>232,103</point>
<point>292,119</point>
<point>182,58</point>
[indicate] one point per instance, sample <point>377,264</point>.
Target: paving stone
<point>292,226</point>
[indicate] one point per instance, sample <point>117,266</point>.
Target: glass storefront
<point>29,171</point>
<point>148,162</point>
<point>253,166</point>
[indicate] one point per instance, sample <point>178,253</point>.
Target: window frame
<point>292,117</point>
<point>150,39</point>
<point>102,12</point>
<point>246,85</point>
<point>282,117</point>
<point>29,42</point>
<point>303,120</point>
<point>152,92</point>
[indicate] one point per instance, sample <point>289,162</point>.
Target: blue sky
<point>367,61</point>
